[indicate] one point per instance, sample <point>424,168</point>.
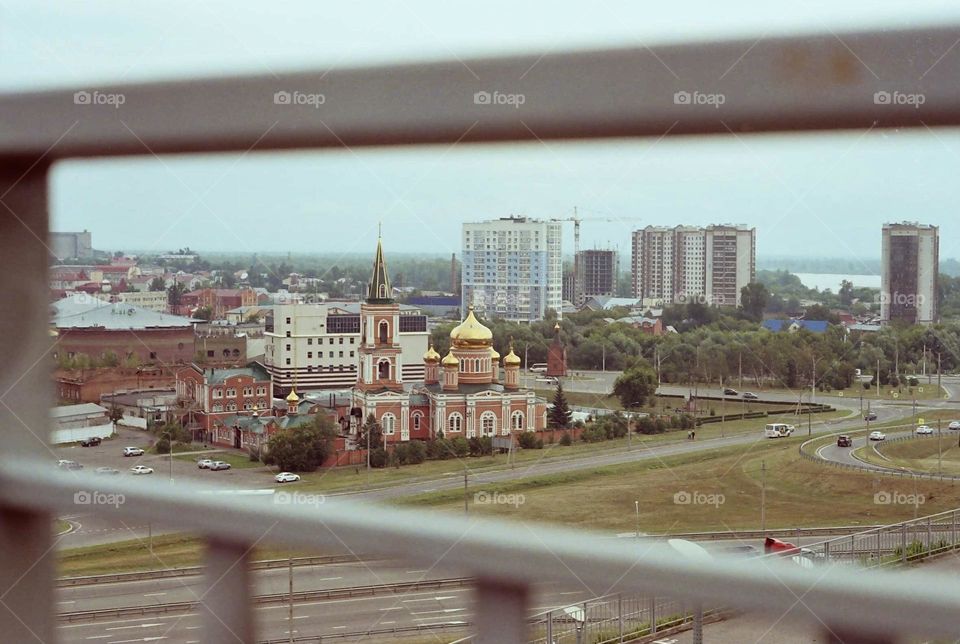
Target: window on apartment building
<point>288,320</point>
<point>288,347</point>
<point>329,340</point>
<point>351,354</point>
<point>341,354</point>
<point>331,354</point>
<point>341,340</point>
<point>309,354</point>
<point>309,340</point>
<point>288,334</point>
<point>210,353</point>
<point>351,340</point>
<point>288,361</point>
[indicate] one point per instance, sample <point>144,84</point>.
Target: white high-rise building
<point>512,268</point>
<point>691,264</point>
<point>910,260</point>
<point>317,346</point>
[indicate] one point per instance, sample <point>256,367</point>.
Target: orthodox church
<point>462,393</point>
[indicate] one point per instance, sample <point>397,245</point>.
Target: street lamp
<point>169,450</point>
<point>637,506</point>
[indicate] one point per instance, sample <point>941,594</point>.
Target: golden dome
<point>512,359</point>
<point>431,355</point>
<point>470,333</point>
<point>494,355</point>
<point>292,397</point>
<point>451,360</point>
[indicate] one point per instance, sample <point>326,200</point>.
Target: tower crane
<point>577,269</point>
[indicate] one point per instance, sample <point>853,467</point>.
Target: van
<point>539,367</point>
<point>777,430</point>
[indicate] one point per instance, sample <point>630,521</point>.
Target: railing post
<point>550,627</point>
<point>826,552</point>
<point>501,612</point>
<point>26,553</point>
<point>953,529</point>
<point>929,535</point>
<point>225,603</point>
<point>903,542</point>
<point>653,615</point>
<point>879,549</point>
<point>620,615</point>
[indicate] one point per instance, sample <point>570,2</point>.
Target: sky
<point>823,195</point>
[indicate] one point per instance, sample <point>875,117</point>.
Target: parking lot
<point>110,454</point>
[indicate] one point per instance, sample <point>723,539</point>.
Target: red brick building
<point>88,385</point>
<point>556,355</point>
<point>218,300</point>
<point>461,394</point>
<point>90,326</point>
<point>208,396</point>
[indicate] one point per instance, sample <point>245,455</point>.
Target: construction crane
<point>577,272</point>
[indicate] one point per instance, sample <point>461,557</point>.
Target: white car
<point>132,451</point>
<point>924,429</point>
<point>286,477</point>
<point>878,436</point>
<point>954,424</point>
<point>205,463</point>
<point>141,469</point>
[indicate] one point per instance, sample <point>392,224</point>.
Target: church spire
<point>379,291</point>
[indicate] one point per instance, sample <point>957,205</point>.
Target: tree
<point>156,284</point>
<point>753,300</point>
<point>174,293</point>
<point>115,415</point>
<point>302,449</point>
<point>372,427</point>
<point>846,292</point>
<point>635,386</point>
<point>559,415</point>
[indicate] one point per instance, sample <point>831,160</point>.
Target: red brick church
<point>462,393</point>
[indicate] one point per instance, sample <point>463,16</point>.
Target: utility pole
<point>939,450</point>
<point>813,380</point>
<point>809,423</point>
<point>636,504</point>
<point>763,498</point>
<point>878,378</point>
<point>290,606</point>
<point>939,389</point>
<point>466,507</point>
<point>740,369</point>
<point>603,363</point>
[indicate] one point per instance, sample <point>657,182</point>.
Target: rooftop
<point>84,312</point>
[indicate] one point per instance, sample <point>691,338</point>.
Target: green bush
<point>378,458</point>
<point>481,446</point>
<point>527,440</point>
<point>460,446</point>
<point>593,434</point>
<point>401,454</point>
<point>418,452</point>
<point>439,449</point>
<point>566,440</point>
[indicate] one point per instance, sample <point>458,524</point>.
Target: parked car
<point>91,442</point>
<point>286,477</point>
<point>749,395</point>
<point>141,469</point>
<point>878,436</point>
<point>844,441</point>
<point>924,429</point>
<point>107,470</point>
<point>64,464</point>
<point>730,392</point>
<point>132,451</point>
<point>954,424</point>
<point>205,463</point>
<point>219,465</point>
<point>870,415</point>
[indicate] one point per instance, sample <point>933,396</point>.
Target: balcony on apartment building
<point>803,83</point>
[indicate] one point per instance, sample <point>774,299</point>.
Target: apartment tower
<point>910,259</point>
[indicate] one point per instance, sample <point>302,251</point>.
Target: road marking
<point>153,594</point>
<point>337,627</point>
<point>118,628</point>
<point>142,639</point>
<point>415,572</point>
<point>329,578</point>
<point>301,616</point>
<point>388,622</point>
<point>393,608</point>
<point>442,610</point>
<point>98,637</point>
<point>430,599</point>
<point>67,601</point>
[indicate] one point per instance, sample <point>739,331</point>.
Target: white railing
<point>824,81</point>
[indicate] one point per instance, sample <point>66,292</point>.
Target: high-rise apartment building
<point>910,259</point>
<point>512,268</point>
<point>599,270</point>
<point>71,245</point>
<point>692,264</point>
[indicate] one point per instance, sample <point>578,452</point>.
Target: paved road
<point>452,606</point>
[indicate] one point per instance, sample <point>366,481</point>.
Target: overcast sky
<point>826,195</point>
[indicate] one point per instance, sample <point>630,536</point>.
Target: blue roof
<point>815,326</point>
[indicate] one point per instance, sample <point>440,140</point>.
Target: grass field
<point>921,454</point>
<point>724,489</point>
<point>345,479</point>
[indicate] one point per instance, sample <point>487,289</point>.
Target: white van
<point>777,430</point>
<point>539,367</point>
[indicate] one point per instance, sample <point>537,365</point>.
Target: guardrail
<point>869,467</point>
<point>277,598</point>
<point>358,635</point>
<point>189,571</point>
